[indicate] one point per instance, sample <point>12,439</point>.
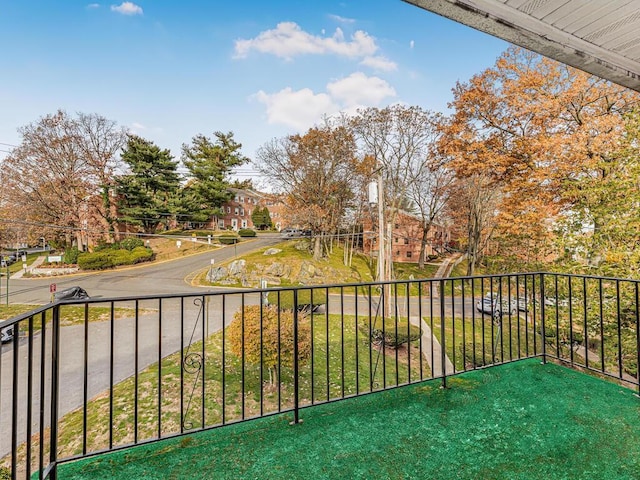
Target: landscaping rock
<point>216,274</point>
<point>237,268</point>
<point>276,269</point>
<point>271,251</point>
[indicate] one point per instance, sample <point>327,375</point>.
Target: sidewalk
<point>36,263</point>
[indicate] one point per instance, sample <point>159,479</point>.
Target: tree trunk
<point>423,247</point>
<point>317,247</point>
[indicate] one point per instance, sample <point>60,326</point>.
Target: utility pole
<point>384,247</point>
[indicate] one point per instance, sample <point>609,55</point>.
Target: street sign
<point>52,288</point>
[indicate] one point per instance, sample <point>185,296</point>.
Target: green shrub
<point>246,232</point>
<point>227,239</point>
<point>130,243</point>
<point>5,473</point>
<point>95,260</point>
<point>112,258</point>
<point>121,257</point>
<point>305,302</point>
<point>393,336</point>
<point>102,245</point>
<point>71,255</point>
<point>142,254</point>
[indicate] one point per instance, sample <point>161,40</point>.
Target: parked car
<point>6,334</point>
<point>291,232</point>
<point>73,293</point>
<point>492,304</point>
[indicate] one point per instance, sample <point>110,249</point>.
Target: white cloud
<point>298,109</point>
<point>343,20</point>
<point>379,63</point>
<point>136,127</point>
<point>93,5</point>
<point>412,44</point>
<point>301,109</point>
<point>288,40</point>
<point>359,90</point>
<point>127,8</point>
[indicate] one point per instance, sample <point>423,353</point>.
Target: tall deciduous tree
<point>147,193</point>
<point>398,139</point>
<point>60,166</point>
<point>317,172</point>
<point>534,126</point>
<point>473,208</point>
<point>209,164</point>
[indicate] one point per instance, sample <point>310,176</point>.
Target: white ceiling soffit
<point>599,37</point>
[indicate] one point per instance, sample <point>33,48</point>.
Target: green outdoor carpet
<point>517,421</point>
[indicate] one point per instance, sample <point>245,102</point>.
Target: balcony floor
<point>517,421</point>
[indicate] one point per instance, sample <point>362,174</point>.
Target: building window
<point>242,212</point>
<point>244,224</point>
<point>396,226</point>
<point>235,198</point>
<point>228,209</point>
<point>242,199</point>
<point>234,223</point>
<point>220,223</point>
<point>235,210</point>
<point>408,254</point>
<point>406,241</point>
<point>397,239</point>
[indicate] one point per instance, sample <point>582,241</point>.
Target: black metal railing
<point>92,376</point>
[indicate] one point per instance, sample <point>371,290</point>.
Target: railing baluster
<point>55,353</point>
<point>296,385</point>
<point>443,356</point>
<point>85,379</point>
<point>355,307</point>
<point>29,397</point>
<point>14,397</point>
<point>159,368</point>
<point>136,367</point>
<point>342,341</point>
<point>620,376</point>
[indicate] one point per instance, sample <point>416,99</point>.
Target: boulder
<point>237,268</point>
<point>271,251</point>
<point>216,274</point>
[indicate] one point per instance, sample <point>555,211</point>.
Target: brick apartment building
<point>406,237</point>
<point>237,211</point>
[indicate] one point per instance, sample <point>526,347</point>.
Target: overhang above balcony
<point>601,38</point>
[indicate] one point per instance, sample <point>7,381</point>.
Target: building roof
<point>599,37</point>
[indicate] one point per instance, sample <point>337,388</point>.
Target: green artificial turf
<point>517,421</point>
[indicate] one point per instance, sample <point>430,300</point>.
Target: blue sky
<point>168,70</point>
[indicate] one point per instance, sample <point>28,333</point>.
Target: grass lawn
<point>515,339</point>
<point>69,314</point>
<point>336,371</point>
<point>522,421</point>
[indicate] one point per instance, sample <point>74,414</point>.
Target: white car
<point>493,305</point>
<point>6,334</point>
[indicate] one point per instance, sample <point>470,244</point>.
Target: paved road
<point>155,279</point>
<point>162,278</point>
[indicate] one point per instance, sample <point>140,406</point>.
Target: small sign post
<point>52,290</point>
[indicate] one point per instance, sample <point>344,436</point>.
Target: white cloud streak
<point>127,8</point>
<point>343,20</point>
<point>288,40</point>
<point>379,63</point>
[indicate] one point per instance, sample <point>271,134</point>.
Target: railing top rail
<point>246,291</point>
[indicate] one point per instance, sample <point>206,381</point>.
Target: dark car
<point>73,293</point>
<point>6,335</point>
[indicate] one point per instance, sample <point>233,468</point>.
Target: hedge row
<point>104,259</point>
